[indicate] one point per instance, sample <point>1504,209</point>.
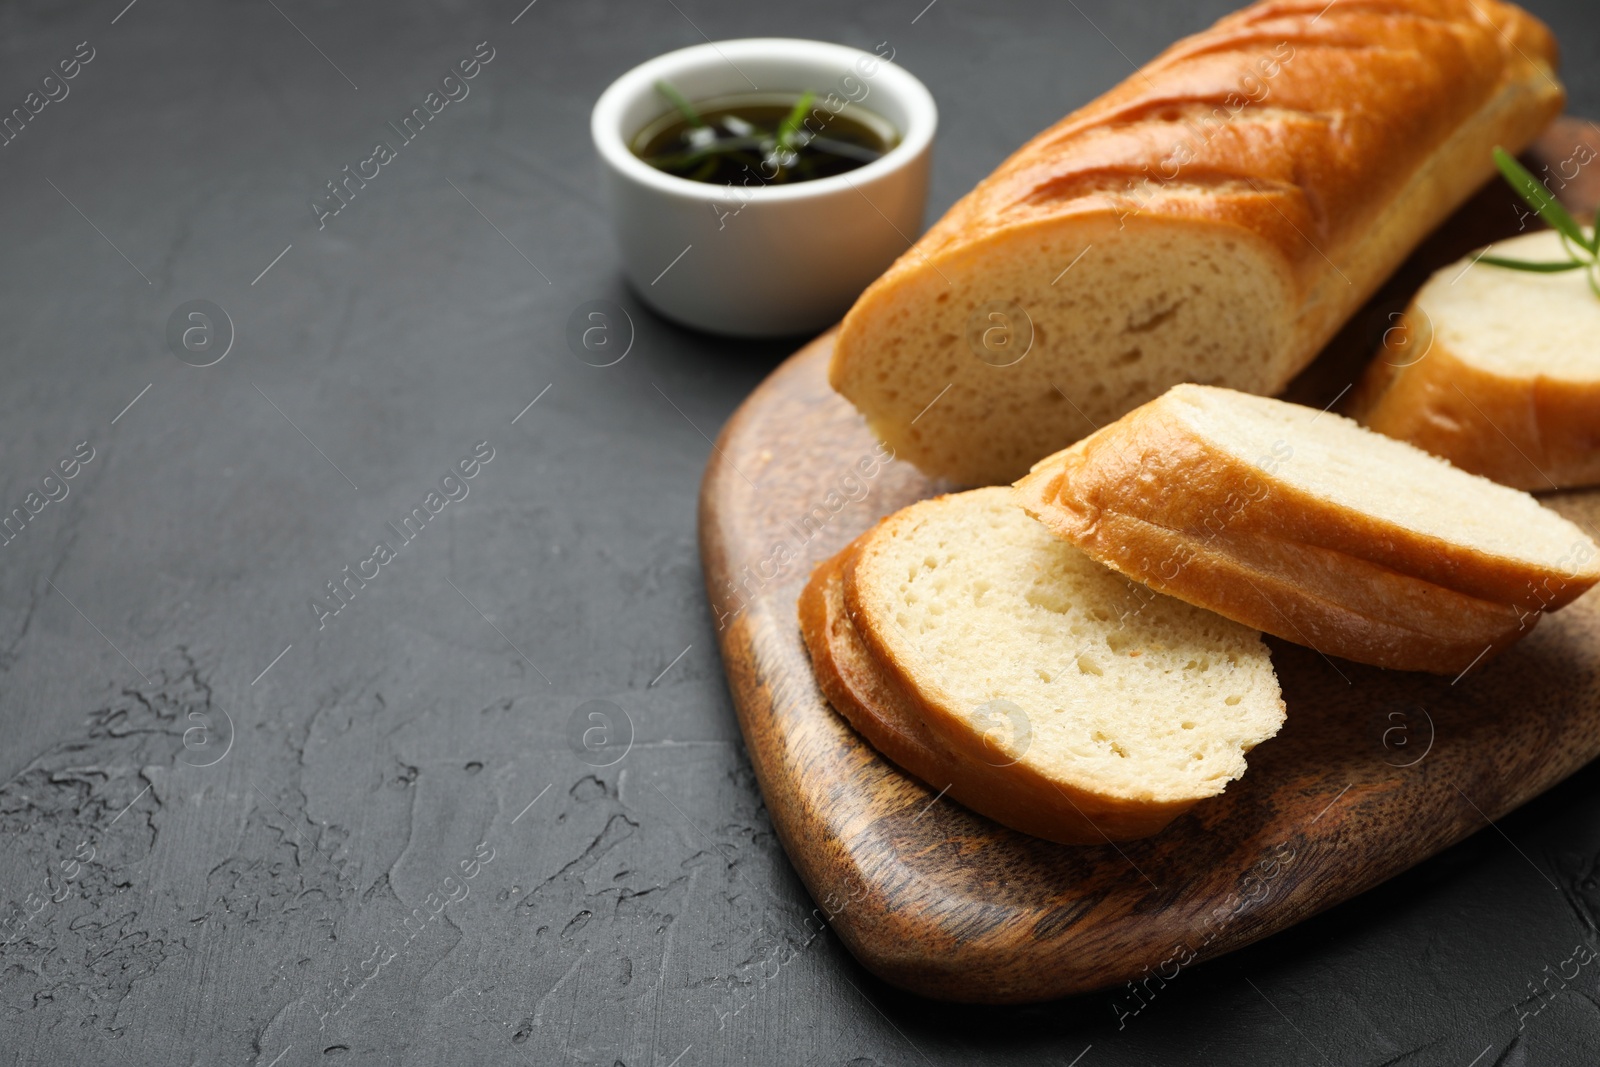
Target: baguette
<point>1214,218</point>
<point>1496,370</point>
<point>1005,668</point>
<point>891,722</point>
<point>1308,526</point>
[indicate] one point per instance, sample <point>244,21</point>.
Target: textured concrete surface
<point>239,828</point>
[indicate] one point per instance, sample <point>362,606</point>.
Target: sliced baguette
<point>1036,686</point>
<point>1216,218</point>
<point>1496,370</point>
<point>1305,525</point>
<point>978,775</point>
<point>859,690</point>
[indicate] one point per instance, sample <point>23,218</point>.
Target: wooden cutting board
<point>1374,771</point>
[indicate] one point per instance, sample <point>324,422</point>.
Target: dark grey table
<point>237,828</point>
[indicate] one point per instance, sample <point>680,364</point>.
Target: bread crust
<point>1373,127</point>
<point>1533,433</point>
<point>1151,499</point>
<point>1366,98</point>
<point>943,751</point>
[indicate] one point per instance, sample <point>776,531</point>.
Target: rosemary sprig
<point>1532,265</point>
<point>715,148</point>
<point>846,149</point>
<point>681,102</point>
<point>789,128</point>
<point>1583,249</point>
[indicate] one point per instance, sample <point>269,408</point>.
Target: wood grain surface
<point>1373,772</point>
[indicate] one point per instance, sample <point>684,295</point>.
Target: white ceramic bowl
<point>764,260</point>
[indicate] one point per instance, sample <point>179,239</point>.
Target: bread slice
<point>982,775</point>
<point>861,692</point>
<point>1496,370</point>
<point>1005,667</point>
<point>1214,218</point>
<point>1308,526</point>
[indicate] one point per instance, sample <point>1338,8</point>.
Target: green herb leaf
<point>845,148</point>
<point>681,102</point>
<point>1530,265</point>
<point>790,126</point>
<point>726,146</point>
<point>1540,199</point>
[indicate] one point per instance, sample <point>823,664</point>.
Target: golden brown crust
<point>1261,585</point>
<point>1148,498</point>
<point>854,685</point>
<point>1532,433</point>
<point>1357,96</point>
<point>946,755</point>
<point>1336,136</point>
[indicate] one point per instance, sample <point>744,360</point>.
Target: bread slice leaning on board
<point>1010,671</point>
<point>1216,218</point>
<point>1306,525</point>
<point>1496,370</point>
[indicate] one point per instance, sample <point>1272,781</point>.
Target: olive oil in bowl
<point>761,138</point>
